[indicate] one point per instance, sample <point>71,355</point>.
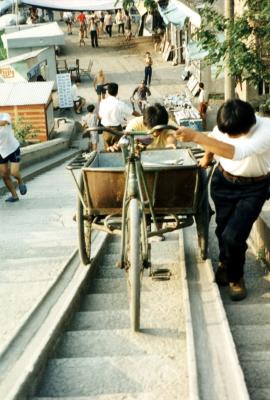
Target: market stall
<point>181,109</point>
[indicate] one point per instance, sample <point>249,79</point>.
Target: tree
<point>245,48</point>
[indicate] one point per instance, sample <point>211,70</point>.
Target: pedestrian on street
<point>119,20</point>
<point>139,95</point>
<point>93,28</point>
<point>90,120</point>
<point>108,23</point>
<point>240,183</point>
<point>128,32</point>
<point>203,104</point>
<point>99,83</point>
<point>112,113</point>
<point>68,18</point>
<point>101,21</point>
<point>50,15</point>
<point>10,158</point>
<point>148,68</point>
<point>81,35</point>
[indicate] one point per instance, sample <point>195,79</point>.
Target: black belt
<point>241,179</point>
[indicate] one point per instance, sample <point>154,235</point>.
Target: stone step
<point>258,373</point>
<point>250,314</point>
<point>121,342</point>
<point>114,375</point>
<point>254,337</point>
<point>105,301</point>
<point>152,316</point>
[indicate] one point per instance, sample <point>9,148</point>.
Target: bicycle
<point>134,195</point>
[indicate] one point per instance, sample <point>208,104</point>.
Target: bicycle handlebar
<point>100,129</point>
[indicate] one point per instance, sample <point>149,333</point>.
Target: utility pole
<point>229,82</point>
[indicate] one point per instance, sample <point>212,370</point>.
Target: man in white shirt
<point>113,113</point>
<point>240,183</point>
<point>78,101</point>
<point>10,158</point>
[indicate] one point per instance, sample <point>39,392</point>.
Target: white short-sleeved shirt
<point>203,96</point>
<point>252,151</point>
<point>113,112</point>
<point>90,120</point>
<point>75,93</point>
<point>8,142</point>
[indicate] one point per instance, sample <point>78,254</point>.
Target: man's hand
<point>185,134</point>
<point>114,148</point>
<point>206,160</point>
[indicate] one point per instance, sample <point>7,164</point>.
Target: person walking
<point>112,113</point>
<point>10,158</point>
<point>68,18</point>
<point>148,68</point>
<point>108,23</point>
<point>119,20</point>
<point>99,82</point>
<point>128,32</point>
<point>140,96</point>
<point>203,104</point>
<point>93,29</point>
<point>81,35</point>
<point>239,186</point>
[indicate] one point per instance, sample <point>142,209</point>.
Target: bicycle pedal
<point>161,274</point>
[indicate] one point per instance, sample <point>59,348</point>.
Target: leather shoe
<point>221,276</point>
<point>237,290</point>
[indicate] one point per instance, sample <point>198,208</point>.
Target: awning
<point>78,5</point>
<point>177,12</point>
<point>195,52</point>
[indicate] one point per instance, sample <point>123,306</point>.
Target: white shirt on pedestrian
<point>203,96</point>
<point>114,112</point>
<point>8,142</point>
<point>75,93</point>
<point>252,151</point>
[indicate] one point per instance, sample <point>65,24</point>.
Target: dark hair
<point>201,85</point>
<point>112,88</point>
<point>90,108</point>
<point>235,117</point>
<point>155,115</point>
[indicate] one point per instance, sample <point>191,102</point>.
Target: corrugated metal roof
<point>25,93</point>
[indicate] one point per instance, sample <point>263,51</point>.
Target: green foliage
<point>23,130</point>
<point>3,53</point>
<point>265,107</point>
<point>246,47</point>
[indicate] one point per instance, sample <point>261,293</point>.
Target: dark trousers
<point>109,30</point>
<point>121,28</point>
<point>238,205</point>
<point>148,75</point>
<point>94,38</point>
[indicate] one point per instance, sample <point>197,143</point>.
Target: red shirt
<point>81,17</point>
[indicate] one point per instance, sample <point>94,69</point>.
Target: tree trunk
<point>229,82</point>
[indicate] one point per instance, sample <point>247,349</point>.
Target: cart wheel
<point>84,227</point>
<point>134,256</point>
<point>202,218</point>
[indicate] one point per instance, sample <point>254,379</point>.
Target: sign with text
<point>64,90</point>
<point>7,72</point>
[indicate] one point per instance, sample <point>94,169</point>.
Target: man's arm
<point>210,145</point>
<point>4,123</point>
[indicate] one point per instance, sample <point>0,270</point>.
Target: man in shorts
<point>10,158</point>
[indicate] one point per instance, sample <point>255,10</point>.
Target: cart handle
<point>100,129</point>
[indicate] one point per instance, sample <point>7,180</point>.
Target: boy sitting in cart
<point>153,115</point>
